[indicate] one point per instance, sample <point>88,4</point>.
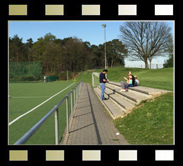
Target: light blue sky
<point>90,31</point>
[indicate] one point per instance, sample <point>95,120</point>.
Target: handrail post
<point>79,86</point>
<point>71,104</point>
<point>56,127</point>
<point>74,96</point>
<point>67,113</point>
<point>79,89</point>
<point>76,93</point>
<point>92,80</point>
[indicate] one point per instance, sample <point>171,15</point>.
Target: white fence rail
<point>152,66</point>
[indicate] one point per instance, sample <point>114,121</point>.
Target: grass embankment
<point>155,78</point>
<point>152,121</point>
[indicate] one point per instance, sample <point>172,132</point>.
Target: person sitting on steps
<point>125,85</point>
<point>136,81</point>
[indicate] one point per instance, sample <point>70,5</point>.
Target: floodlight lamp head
<point>103,25</point>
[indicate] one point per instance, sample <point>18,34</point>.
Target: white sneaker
<point>122,90</point>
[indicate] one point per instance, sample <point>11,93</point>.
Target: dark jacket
<point>133,80</point>
<point>101,77</point>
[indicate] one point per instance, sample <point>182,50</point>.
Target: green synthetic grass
<point>151,124</point>
<point>24,97</point>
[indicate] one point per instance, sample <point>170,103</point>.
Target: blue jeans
<point>102,86</point>
<point>129,85</point>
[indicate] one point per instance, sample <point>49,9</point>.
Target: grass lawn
<point>151,123</point>
<point>155,78</point>
<point>24,97</point>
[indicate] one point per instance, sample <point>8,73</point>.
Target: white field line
<point>28,97</point>
<point>38,105</point>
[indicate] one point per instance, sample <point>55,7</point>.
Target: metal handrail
<point>29,133</point>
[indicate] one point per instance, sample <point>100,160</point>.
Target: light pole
<point>104,26</point>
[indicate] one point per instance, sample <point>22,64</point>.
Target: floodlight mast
<point>104,26</point>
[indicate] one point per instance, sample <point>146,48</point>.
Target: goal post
<point>95,79</point>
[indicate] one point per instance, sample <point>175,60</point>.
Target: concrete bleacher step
<point>141,89</point>
<point>119,100</point>
<point>121,103</point>
<point>147,90</point>
<point>114,110</point>
<point>129,96</point>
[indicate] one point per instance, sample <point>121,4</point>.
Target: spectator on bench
<point>136,81</point>
<point>125,85</point>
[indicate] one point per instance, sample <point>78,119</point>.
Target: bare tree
<point>145,40</point>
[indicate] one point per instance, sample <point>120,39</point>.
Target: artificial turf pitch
<point>26,96</point>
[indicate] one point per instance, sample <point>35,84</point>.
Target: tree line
<point>138,41</point>
<point>58,55</point>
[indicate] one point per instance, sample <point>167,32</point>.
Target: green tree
<point>116,52</point>
<point>28,46</point>
<point>75,54</point>
<point>42,52</point>
<point>53,54</point>
<point>169,62</point>
<point>97,56</point>
<point>38,49</point>
<point>17,51</point>
<point>49,37</point>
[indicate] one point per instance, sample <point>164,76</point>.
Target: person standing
<point>102,81</point>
